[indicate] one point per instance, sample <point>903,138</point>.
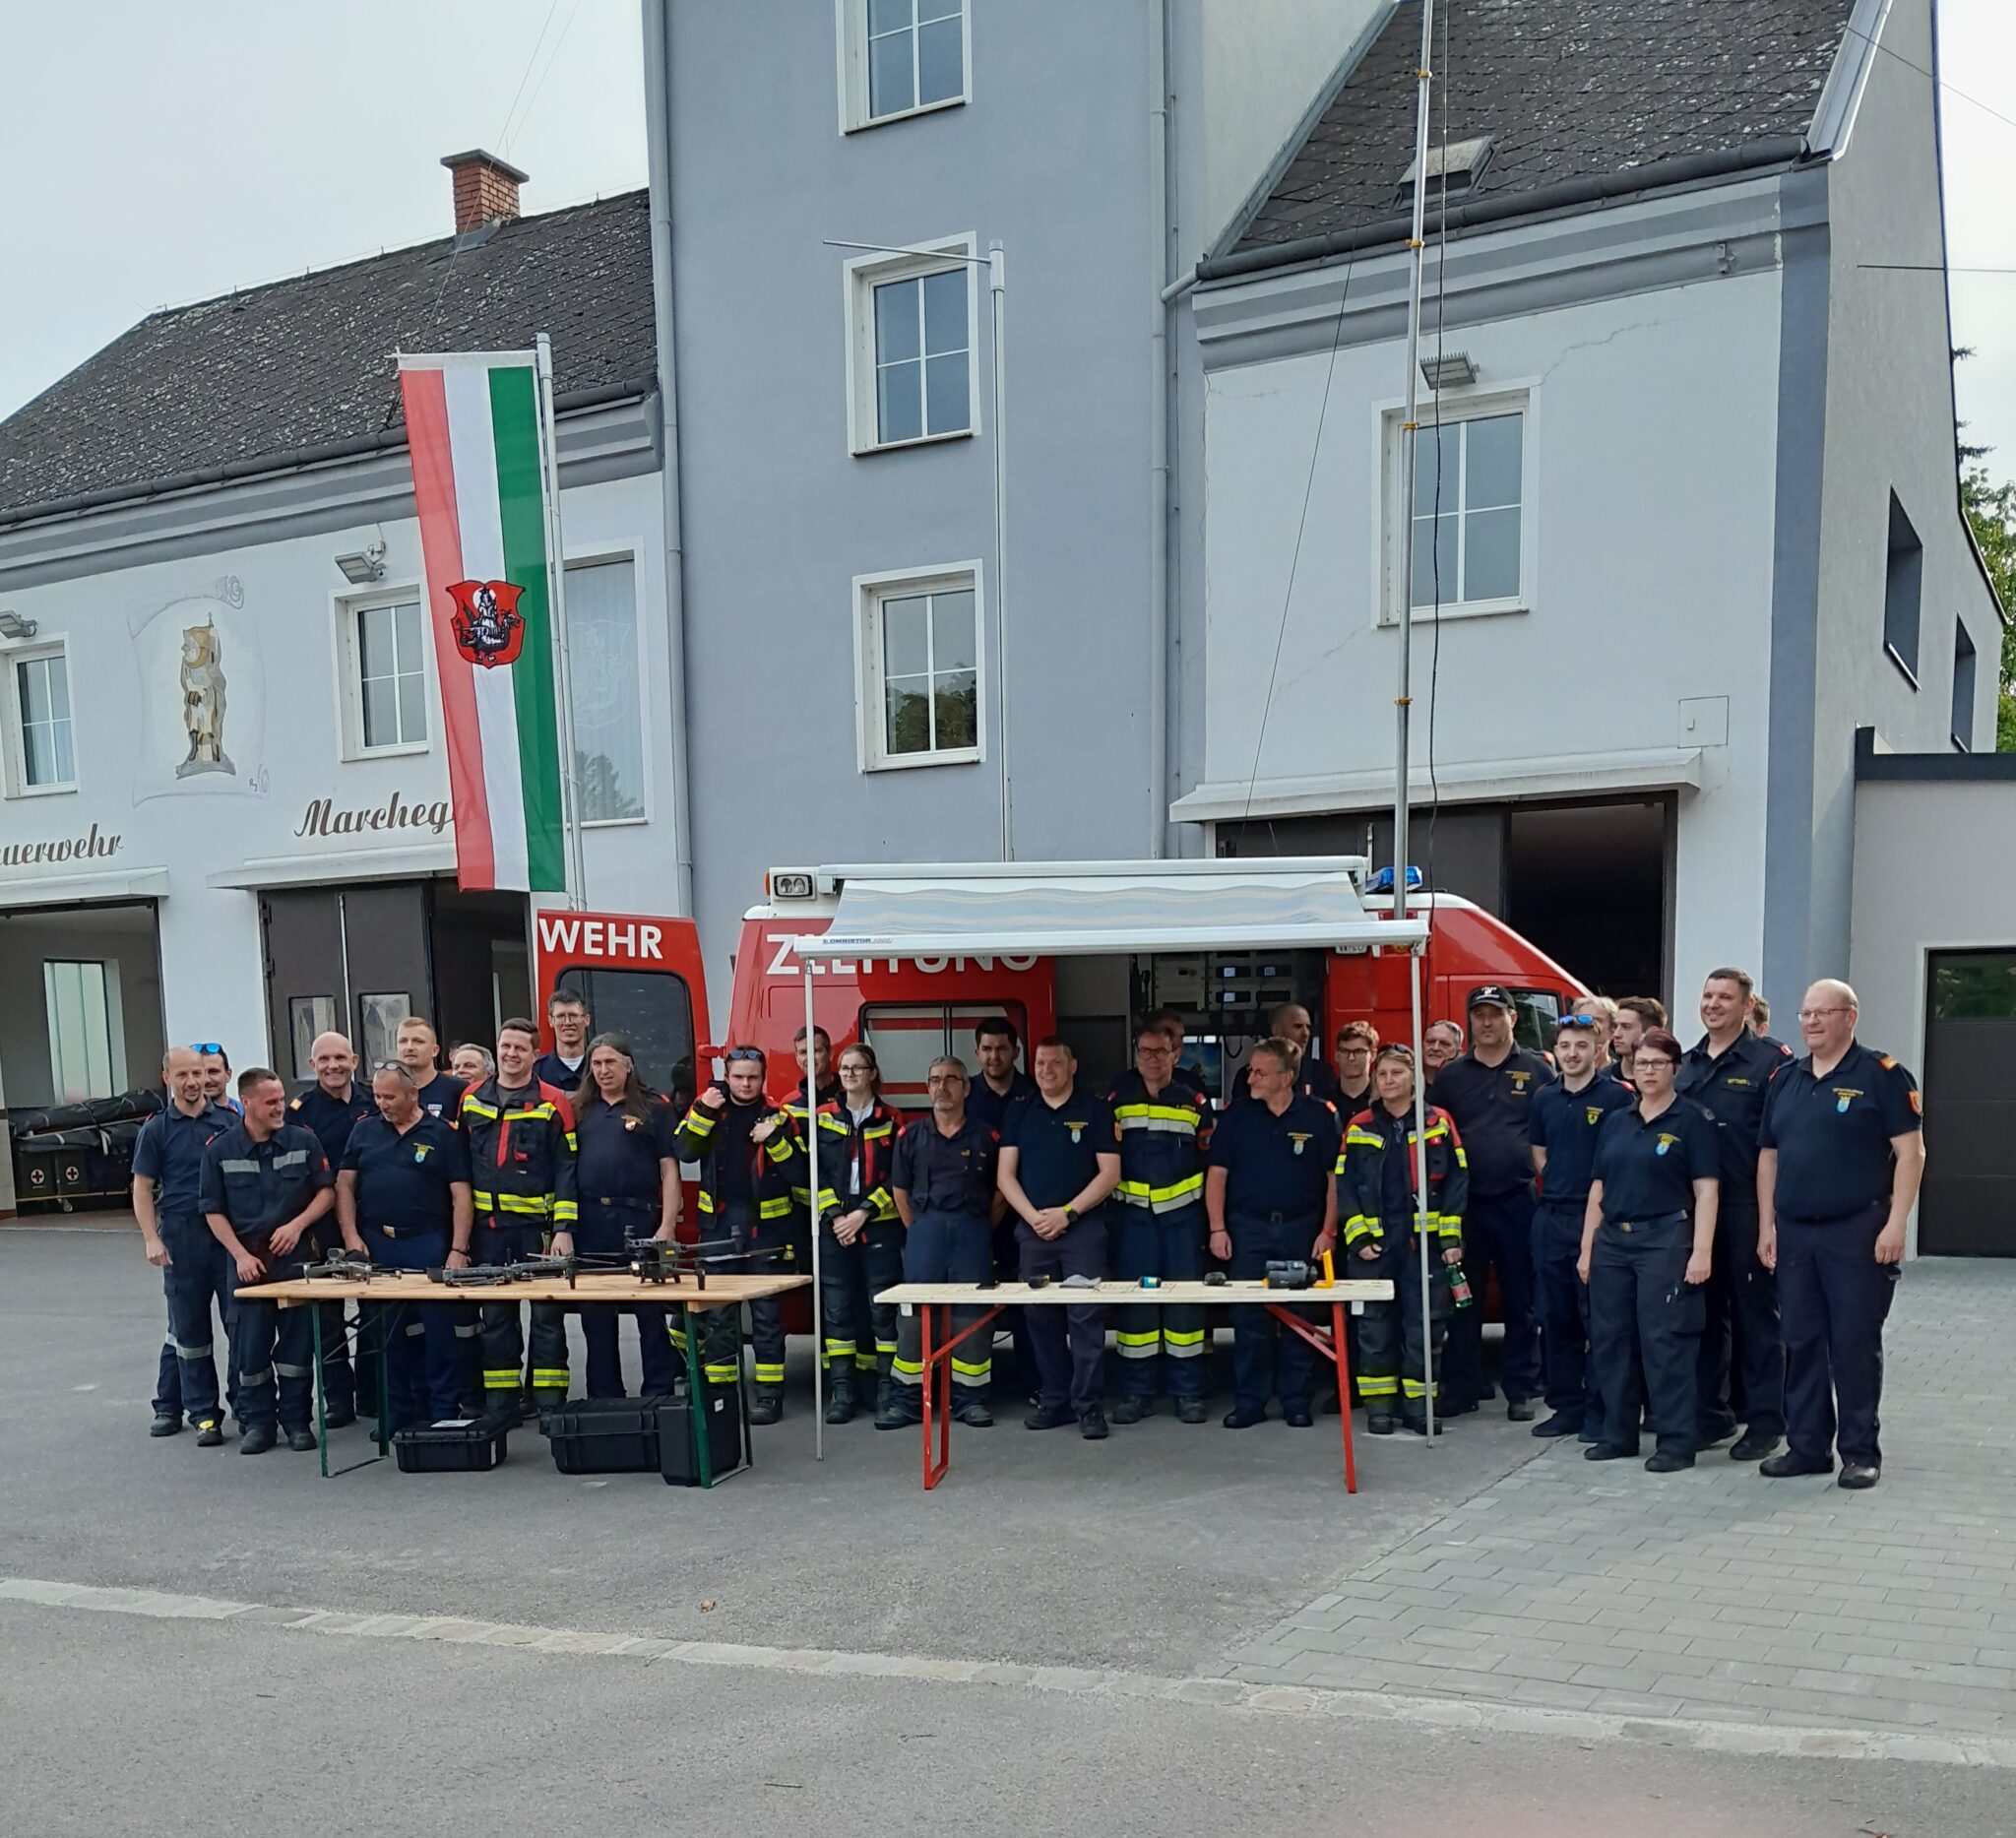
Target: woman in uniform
<point>629,1179</point>
<point>1647,1239</point>
<point>862,1254</point>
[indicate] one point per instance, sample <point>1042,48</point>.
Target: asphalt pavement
<point>199,1642</point>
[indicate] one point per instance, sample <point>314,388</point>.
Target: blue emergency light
<point>1382,882</point>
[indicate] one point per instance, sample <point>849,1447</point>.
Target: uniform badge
<point>1077,1130</point>
<point>1594,1112</point>
<point>421,1151</point>
<point>1299,1139</point>
<point>1518,1080</point>
<point>1918,1107</point>
<point>1664,1143</point>
<point>1736,1082</point>
<point>1843,1094</point>
<point>629,1122</point>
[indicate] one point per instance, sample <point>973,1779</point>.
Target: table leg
<point>695,1391</point>
<point>382,1362</point>
<point>742,1376</point>
<point>1340,1341</point>
<point>932,1474</point>
<point>321,1396</point>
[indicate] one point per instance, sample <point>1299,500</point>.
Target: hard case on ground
<point>603,1435</point>
<point>474,1447</point>
<point>678,1452</point>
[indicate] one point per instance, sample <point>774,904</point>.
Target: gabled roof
<point>1564,90</point>
<point>303,368</point>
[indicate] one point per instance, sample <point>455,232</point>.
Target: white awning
<point>1082,908</point>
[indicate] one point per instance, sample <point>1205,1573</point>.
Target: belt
<point>1853,1217</point>
<point>1647,1224</point>
<point>406,1232</point>
<point>613,1199</point>
<point>1257,1218</point>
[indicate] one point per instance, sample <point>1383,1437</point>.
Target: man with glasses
<point>1158,1228</point>
<point>1840,1154</point>
<point>1357,1044</point>
<point>333,1107</point>
<point>1489,1091</point>
<point>1567,1117</point>
<point>1604,1013</point>
<point>566,1066</point>
<point>1171,1023</point>
<point>1729,1070</point>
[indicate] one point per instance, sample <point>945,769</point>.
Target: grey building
<point>1687,513</point>
<point>833,504</point>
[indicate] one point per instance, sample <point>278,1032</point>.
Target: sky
<point>155,155</point>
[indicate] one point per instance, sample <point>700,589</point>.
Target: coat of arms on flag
<point>489,630</point>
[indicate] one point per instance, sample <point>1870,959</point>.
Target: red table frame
<point>937,1361</point>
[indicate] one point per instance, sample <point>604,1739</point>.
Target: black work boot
<point>257,1439</point>
<point>900,1408</point>
<point>166,1423</point>
<point>840,1402</point>
<point>766,1408</point>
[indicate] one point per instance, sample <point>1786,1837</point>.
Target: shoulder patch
<point>295,1105</point>
<point>1886,1062</point>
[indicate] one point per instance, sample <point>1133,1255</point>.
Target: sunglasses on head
<point>744,1053</point>
<point>206,1046</point>
<point>1585,1023</point>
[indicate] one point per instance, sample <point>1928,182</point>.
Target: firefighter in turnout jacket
<point>863,1252</point>
<point>1158,1228</point>
<point>1379,1196</point>
<point>521,1152</point>
<point>750,1154</point>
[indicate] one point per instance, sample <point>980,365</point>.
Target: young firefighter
<point>1378,1208</point>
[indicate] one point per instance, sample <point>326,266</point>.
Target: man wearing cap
<point>1489,1091</point>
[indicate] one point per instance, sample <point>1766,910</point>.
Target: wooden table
<point>932,1297</point>
<point>612,1289</point>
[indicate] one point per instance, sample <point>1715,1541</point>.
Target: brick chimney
<point>485,189</point>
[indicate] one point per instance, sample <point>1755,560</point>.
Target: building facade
<point>1686,513</point>
<point>226,813</point>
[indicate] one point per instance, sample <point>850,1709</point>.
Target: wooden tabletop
<point>723,1291</point>
<point>1013,1294</point>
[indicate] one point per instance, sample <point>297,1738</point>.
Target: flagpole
<point>556,597</point>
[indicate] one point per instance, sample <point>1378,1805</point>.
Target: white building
<point>1698,517</point>
<point>226,806</point>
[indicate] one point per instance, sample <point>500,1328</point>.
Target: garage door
<point>1968,1207</point>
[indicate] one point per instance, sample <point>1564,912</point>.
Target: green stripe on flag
<point>514,414</point>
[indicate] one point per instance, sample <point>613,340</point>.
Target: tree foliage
<point>1992,510</point>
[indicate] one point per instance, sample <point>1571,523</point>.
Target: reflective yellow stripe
<point>485,1201</point>
<point>539,1204</point>
<point>1377,1387</point>
<point>1155,1117</point>
<point>1357,1138</point>
<point>501,1381</point>
<point>472,1107</point>
<point>980,1369</point>
<point>548,1376</point>
<point>1162,1199</point>
<point>1414,1388</point>
<point>769,1374</point>
<point>706,1201</point>
<point>1180,1337</point>
<point>720,1374</point>
<point>566,1213</point>
<point>1358,1226</point>
<point>778,1208</point>
<point>909,1370</point>
<point>697,1121</point>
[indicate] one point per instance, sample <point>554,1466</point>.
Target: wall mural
<point>202,697</point>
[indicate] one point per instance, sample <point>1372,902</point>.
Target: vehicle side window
<point>1540,1010</point>
<point>907,1035</point>
<point>654,1009</point>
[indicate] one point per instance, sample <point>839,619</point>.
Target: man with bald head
<point>333,1105</point>
<point>167,1183</point>
<point>1293,1024</point>
<point>1840,1153</point>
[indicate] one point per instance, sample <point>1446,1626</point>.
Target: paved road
<point>1063,1631</point>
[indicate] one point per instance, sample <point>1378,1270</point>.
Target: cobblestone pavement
<point>1715,1594</point>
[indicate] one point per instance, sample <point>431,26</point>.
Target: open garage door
<point>1967,1207</point>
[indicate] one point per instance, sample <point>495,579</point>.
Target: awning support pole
<point>812,1181</point>
<point>1421,1160</point>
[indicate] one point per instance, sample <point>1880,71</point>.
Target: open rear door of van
<point>641,977</point>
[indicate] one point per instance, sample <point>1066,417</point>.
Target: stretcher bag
<point>462,1446</point>
<point>603,1435</point>
<point>678,1448</point>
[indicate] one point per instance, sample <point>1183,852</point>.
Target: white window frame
<point>861,276</point>
<point>851,24</point>
<point>633,554</point>
<point>869,591</point>
<point>349,669</point>
<point>1396,521</point>
<point>12,656</point>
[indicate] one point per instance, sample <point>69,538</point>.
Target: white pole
<point>812,1180</point>
<point>1421,1223</point>
<point>556,595</point>
<point>1402,700</point>
<point>997,288</point>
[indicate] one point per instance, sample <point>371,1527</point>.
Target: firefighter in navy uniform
<point>945,1179</point>
<point>826,1089</point>
<point>1565,1119</point>
<point>1842,1155</point>
<point>1729,1071</point>
<point>627,1174</point>
<point>999,1087</point>
<point>863,1252</point>
<point>440,1093</point>
<point>1489,1091</point>
<point>265,1187</point>
<point>333,1105</point>
<point>1271,1193</point>
<point>1379,1174</point>
<point>749,1152</point>
<point>522,1165</point>
<point>1158,1228</point>
<point>1647,1248</point>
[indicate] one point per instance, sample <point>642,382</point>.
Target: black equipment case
<point>678,1448</point>
<point>603,1435</point>
<point>474,1447</point>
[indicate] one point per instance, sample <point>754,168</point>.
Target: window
<point>1903,572</point>
<point>920,675</point>
<point>899,57</point>
<point>605,680</point>
<point>1469,522</point>
<point>1535,1018</point>
<point>386,666</point>
<point>652,1009</point>
<point>1962,690</point>
<point>79,1001</point>
<point>913,334</point>
<point>907,1036</point>
<point>45,758</point>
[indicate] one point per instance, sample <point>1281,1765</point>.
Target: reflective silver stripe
<point>1177,1351</point>
<point>414,1329</point>
<point>295,1158</point>
<point>1174,1126</point>
<point>292,1371</point>
<point>254,1380</point>
<point>468,1330</point>
<point>192,1352</point>
<point>230,1165</point>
